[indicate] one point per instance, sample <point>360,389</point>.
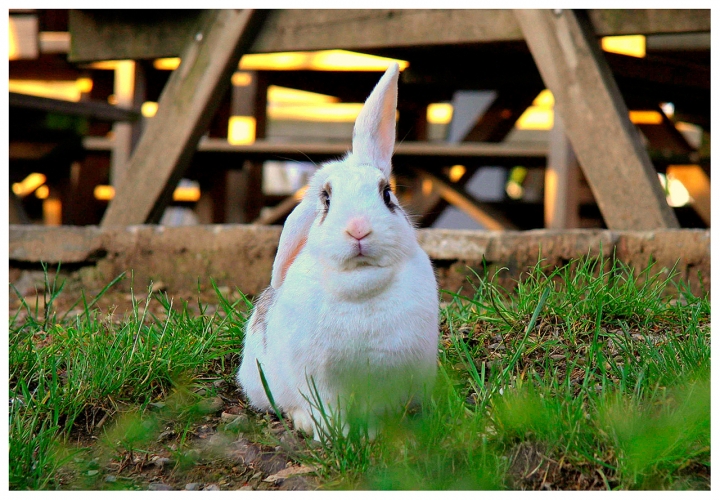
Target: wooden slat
<point>483,214</point>
<point>117,34</point>
<point>185,108</point>
<point>607,144</point>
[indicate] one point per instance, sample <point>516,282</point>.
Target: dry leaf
<point>293,470</point>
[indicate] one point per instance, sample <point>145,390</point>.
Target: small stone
<point>159,487</point>
<point>110,478</point>
<point>192,486</point>
<point>211,405</point>
<point>247,487</point>
<point>212,487</point>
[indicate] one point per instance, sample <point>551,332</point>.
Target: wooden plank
<point>607,144</point>
<point>185,108</point>
<point>117,34</point>
<point>561,181</point>
<point>482,213</point>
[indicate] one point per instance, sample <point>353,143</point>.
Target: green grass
<point>587,376</point>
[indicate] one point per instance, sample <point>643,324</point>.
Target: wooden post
<point>185,108</point>
<point>250,100</point>
<point>561,181</point>
<point>129,92</point>
<point>608,146</point>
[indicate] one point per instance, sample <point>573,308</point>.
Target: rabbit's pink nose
<point>358,227</point>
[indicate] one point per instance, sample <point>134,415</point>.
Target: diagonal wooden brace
<point>608,147</point>
<point>185,108</point>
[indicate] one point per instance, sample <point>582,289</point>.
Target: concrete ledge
<point>241,255</point>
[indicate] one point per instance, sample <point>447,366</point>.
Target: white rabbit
<point>353,306</point>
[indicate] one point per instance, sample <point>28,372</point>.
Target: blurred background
<point>475,121</point>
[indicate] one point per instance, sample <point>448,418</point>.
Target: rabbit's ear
<point>374,132</point>
<point>292,240</point>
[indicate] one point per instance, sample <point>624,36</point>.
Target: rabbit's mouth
<point>359,247</point>
<point>361,260</point>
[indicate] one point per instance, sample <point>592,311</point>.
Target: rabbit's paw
<point>303,421</point>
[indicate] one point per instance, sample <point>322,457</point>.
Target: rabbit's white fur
<point>353,303</point>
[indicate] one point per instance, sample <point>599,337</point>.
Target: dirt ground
<point>209,459</point>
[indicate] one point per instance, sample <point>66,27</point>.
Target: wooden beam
<point>489,153</point>
<point>90,109</point>
<point>98,35</point>
<point>469,106</point>
<point>498,121</point>
<point>429,205</point>
<point>587,98</point>
<point>453,152</point>
<point>483,214</point>
<point>184,110</point>
<point>138,34</point>
<point>561,181</point>
<point>282,209</point>
<point>290,29</point>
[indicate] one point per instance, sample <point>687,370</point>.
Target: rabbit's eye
<point>325,197</point>
<point>386,198</point>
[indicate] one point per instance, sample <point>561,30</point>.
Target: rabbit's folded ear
<point>292,240</point>
<point>374,132</point>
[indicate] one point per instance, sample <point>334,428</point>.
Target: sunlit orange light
<point>629,45</point>
<point>28,184</point>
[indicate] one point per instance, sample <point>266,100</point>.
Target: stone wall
<point>241,255</point>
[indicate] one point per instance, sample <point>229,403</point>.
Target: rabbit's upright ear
<point>374,133</point>
<point>292,240</point>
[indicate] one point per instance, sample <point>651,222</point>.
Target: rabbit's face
<point>359,222</point>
